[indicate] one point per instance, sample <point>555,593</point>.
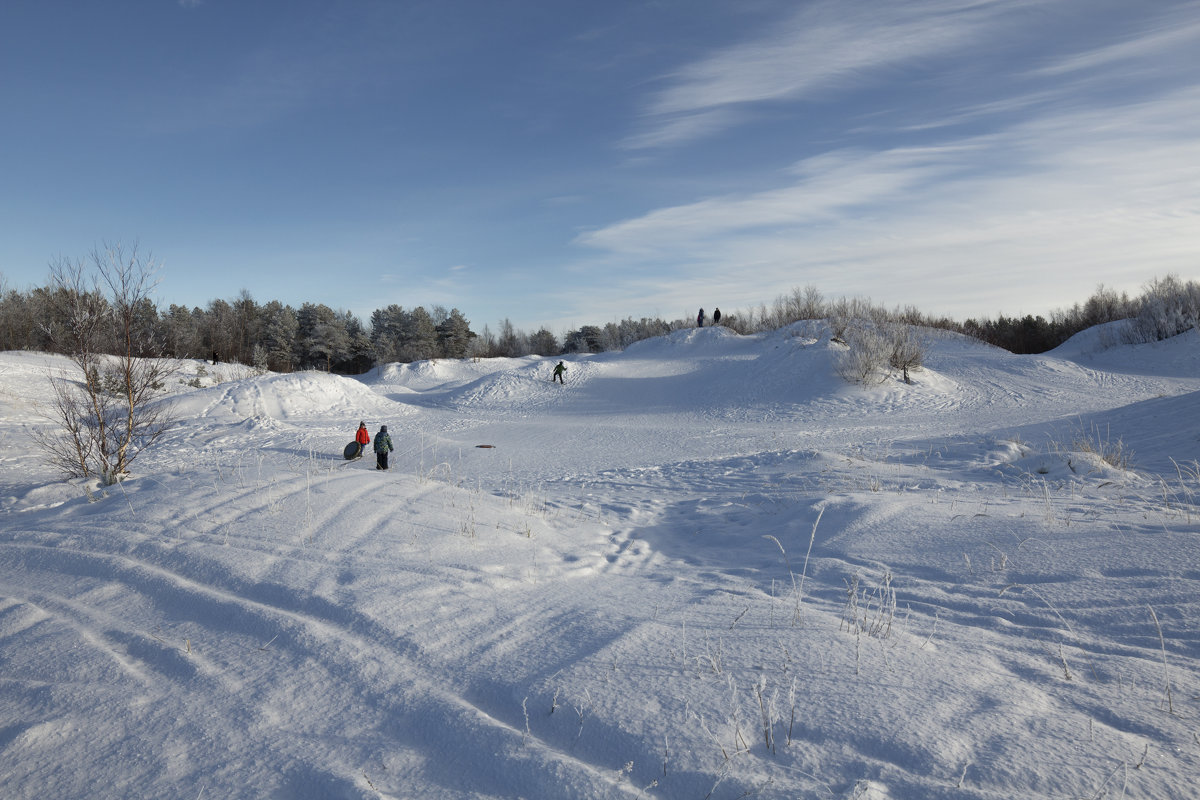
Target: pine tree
<point>454,335</point>
<point>360,355</point>
<point>278,335</point>
<point>321,338</point>
<point>543,343</point>
<point>418,336</point>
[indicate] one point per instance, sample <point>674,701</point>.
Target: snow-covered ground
<point>704,568</point>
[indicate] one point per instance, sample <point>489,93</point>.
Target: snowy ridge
<point>704,567</point>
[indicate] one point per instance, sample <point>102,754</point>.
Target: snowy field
<point>706,567</point>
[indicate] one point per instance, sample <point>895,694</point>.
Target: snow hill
<point>706,567</point>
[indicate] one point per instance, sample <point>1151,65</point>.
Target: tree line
<point>1166,307</point>
<point>282,338</point>
<point>279,337</point>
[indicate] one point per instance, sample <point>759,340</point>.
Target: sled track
<point>392,689</point>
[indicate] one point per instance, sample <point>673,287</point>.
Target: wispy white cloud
<point>1155,55</point>
<point>829,186</point>
<point>1071,184</point>
<point>824,45</point>
<point>1032,214</point>
<point>671,129</point>
<point>1177,31</point>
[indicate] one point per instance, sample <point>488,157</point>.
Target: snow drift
<point>704,567</point>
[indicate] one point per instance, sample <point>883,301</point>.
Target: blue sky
<point>561,163</point>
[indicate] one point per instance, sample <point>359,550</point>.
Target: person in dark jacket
<point>362,437</point>
<point>700,319</point>
<point>716,316</point>
<point>383,446</point>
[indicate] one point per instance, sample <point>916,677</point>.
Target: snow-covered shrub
<point>865,357</point>
<point>838,325</point>
<point>261,359</point>
<point>908,351</point>
<point>1168,308</point>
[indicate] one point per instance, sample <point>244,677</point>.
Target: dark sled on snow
<point>352,451</point>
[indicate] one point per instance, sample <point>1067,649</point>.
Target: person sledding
<point>383,446</point>
<point>362,437</point>
<point>558,373</point>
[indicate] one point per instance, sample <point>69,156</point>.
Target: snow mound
<point>284,398</point>
<point>441,375</point>
<point>711,341</point>
<point>1100,348</point>
<point>711,370</point>
<point>1063,466</point>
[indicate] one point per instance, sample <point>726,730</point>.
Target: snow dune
<point>704,567</point>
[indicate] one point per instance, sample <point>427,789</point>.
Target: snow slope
<point>704,567</point>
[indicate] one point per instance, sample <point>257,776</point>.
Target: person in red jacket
<point>362,437</point>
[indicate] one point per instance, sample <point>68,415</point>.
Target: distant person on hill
<point>700,319</point>
<point>558,373</point>
<point>383,446</point>
<point>716,316</point>
<point>362,437</point>
<point>214,358</point>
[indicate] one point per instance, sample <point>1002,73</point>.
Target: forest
<point>276,336</point>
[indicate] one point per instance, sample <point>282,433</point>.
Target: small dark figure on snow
<point>716,316</point>
<point>214,358</point>
<point>558,373</point>
<point>362,437</point>
<point>383,446</point>
<point>700,319</point>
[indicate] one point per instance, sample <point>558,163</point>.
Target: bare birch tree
<point>908,350</point>
<point>109,413</point>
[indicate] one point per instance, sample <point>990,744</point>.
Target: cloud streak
<point>1056,165</point>
<point>1174,33</point>
<point>824,45</point>
<point>830,186</point>
<point>971,225</point>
